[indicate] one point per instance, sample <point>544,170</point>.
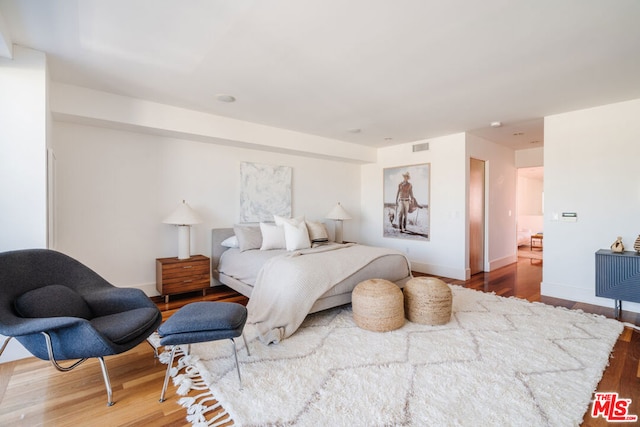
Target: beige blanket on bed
<point>288,285</point>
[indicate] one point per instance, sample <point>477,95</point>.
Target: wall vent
<point>421,147</point>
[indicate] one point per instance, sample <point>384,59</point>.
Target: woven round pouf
<point>378,305</point>
<point>427,300</point>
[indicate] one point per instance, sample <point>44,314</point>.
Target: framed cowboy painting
<point>406,207</point>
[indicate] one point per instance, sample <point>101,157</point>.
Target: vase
<point>636,245</point>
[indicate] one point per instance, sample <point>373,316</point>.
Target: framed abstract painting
<point>265,191</point>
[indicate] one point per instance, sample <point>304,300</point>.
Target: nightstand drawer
<point>174,276</point>
<point>186,285</point>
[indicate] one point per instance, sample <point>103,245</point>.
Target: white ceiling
<point>401,69</point>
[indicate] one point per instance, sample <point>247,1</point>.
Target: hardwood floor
<point>32,393</point>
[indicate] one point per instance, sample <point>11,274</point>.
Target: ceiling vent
<point>420,147</point>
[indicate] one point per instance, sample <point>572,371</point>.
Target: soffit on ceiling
<point>407,70</point>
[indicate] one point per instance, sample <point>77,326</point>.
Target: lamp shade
<point>183,215</point>
<point>338,213</point>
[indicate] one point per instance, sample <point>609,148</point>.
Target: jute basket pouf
<point>378,305</point>
<point>427,300</point>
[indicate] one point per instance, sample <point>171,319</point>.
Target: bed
<point>277,306</point>
<point>524,237</point>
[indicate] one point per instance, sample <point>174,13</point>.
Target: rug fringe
<point>189,380</point>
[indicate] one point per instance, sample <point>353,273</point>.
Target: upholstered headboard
<point>218,235</point>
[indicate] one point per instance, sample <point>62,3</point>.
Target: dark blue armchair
<point>59,309</point>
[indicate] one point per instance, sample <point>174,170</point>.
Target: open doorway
<point>530,220</point>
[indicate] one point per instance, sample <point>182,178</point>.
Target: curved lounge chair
<point>59,309</point>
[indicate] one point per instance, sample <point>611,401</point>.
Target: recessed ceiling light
<point>496,124</point>
<point>355,130</point>
<point>533,142</point>
<point>225,98</point>
<point>518,133</point>
<point>388,139</point>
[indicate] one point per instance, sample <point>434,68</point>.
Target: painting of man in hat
<point>404,216</point>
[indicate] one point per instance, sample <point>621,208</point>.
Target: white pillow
<point>296,236</point>
<point>272,236</point>
<point>230,242</point>
<point>249,237</point>
<point>280,220</point>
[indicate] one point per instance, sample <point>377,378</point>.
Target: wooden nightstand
<point>176,276</point>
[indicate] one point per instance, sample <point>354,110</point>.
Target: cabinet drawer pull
<point>187,266</point>
<point>187,281</point>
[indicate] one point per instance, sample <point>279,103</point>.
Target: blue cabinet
<point>618,276</point>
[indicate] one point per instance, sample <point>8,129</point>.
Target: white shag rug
<point>499,361</point>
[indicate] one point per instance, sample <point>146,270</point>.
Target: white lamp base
<point>338,231</point>
<point>184,244</point>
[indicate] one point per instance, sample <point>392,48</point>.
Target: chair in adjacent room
<point>59,309</point>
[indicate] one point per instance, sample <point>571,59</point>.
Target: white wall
<point>500,200</point>
<point>115,187</point>
<point>530,205</point>
<point>23,144</point>
<point>591,167</point>
<point>531,157</point>
<point>444,253</point>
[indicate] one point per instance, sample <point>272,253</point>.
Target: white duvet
<point>288,285</point>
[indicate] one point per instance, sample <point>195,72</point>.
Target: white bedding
<point>524,237</point>
<point>289,284</point>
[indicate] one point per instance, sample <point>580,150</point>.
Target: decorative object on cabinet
<point>618,277</point>
<point>183,217</point>
<point>338,214</point>
<point>636,245</point>
<point>617,246</point>
<point>176,276</point>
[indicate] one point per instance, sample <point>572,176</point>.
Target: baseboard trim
<point>438,270</point>
<point>587,296</point>
<point>502,262</point>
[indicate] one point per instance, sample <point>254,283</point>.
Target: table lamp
<point>183,217</point>
<point>338,214</point>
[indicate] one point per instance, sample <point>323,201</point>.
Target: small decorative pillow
<point>272,236</point>
<point>52,301</point>
<point>280,220</point>
<point>249,237</point>
<point>296,236</point>
<point>230,242</point>
<point>317,232</point>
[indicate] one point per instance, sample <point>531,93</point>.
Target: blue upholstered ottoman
<point>203,322</point>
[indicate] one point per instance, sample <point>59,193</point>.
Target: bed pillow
<point>249,237</point>
<point>52,301</point>
<point>317,232</point>
<point>296,236</point>
<point>230,242</point>
<point>272,236</point>
<point>280,220</point>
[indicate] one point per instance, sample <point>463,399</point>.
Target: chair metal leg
<point>4,344</point>
<point>107,382</point>
<point>52,358</point>
<point>235,354</point>
<point>60,368</point>
<point>166,375</point>
<point>246,345</point>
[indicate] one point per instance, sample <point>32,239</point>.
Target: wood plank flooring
<point>32,393</point>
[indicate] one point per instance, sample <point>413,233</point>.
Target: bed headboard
<point>217,236</point>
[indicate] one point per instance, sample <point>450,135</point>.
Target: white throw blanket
<point>288,285</point>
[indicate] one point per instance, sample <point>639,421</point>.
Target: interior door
<point>476,216</point>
